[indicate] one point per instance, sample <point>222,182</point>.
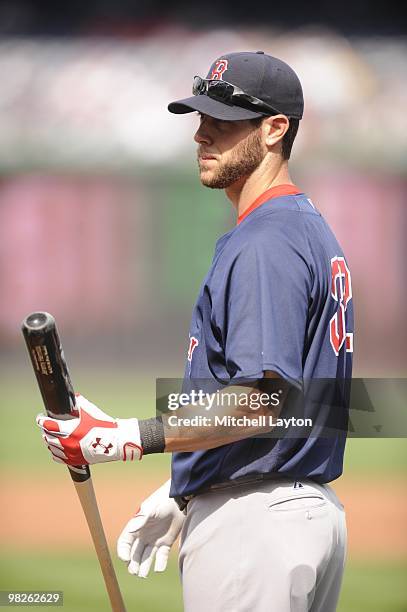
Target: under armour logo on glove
<point>106,448</point>
<point>93,437</point>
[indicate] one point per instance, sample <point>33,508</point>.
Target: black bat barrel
<point>48,361</point>
<point>47,357</point>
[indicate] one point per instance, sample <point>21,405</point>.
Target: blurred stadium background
<point>104,224</point>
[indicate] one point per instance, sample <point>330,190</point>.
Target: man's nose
<point>202,136</point>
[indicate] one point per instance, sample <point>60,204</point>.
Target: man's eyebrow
<point>213,119</point>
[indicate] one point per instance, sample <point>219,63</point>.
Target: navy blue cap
<point>257,74</point>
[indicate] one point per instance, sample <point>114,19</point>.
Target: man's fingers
<point>60,457</point>
<point>52,441</point>
<point>135,556</point>
<point>124,544</point>
<point>48,425</point>
<point>56,448</point>
<point>146,561</point>
<point>55,427</point>
<point>57,459</point>
<point>161,558</point>
<point>56,452</point>
<point>128,537</point>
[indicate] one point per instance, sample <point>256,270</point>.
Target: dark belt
<point>183,500</point>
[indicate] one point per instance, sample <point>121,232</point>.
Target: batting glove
<point>151,533</point>
<point>92,437</point>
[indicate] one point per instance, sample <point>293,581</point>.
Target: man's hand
<point>151,533</point>
<point>93,437</point>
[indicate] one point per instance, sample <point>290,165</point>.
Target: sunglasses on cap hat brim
<point>222,100</point>
<point>229,94</point>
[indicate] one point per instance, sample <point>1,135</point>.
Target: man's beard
<point>246,157</point>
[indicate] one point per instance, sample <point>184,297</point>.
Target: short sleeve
<point>261,308</point>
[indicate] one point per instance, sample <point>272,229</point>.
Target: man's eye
<point>222,125</point>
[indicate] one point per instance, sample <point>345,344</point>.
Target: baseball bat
<point>47,358</point>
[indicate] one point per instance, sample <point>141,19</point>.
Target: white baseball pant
<point>270,546</point>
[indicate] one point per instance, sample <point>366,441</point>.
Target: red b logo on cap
<point>220,66</point>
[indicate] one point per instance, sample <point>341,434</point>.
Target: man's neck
<point>244,192</point>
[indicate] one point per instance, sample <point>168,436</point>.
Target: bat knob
<point>38,320</point>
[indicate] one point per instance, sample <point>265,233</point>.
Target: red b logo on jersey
<point>220,66</point>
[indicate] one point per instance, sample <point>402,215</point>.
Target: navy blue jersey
<point>278,296</point>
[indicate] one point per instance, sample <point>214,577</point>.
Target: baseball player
<point>260,528</point>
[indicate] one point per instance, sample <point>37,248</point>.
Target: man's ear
<point>275,127</point>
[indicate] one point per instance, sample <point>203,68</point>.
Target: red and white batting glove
<point>93,437</point>
<point>151,533</point>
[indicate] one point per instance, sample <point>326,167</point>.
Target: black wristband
<point>152,435</point>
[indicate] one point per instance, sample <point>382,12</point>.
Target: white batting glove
<point>93,437</point>
<point>151,533</point>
